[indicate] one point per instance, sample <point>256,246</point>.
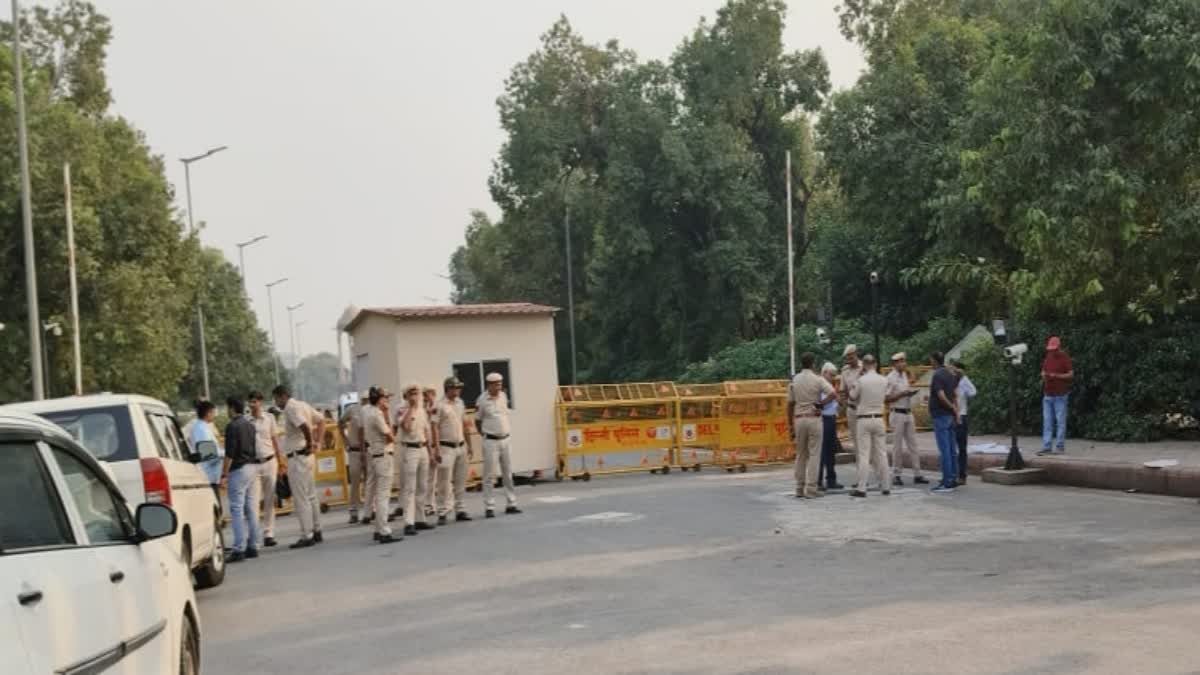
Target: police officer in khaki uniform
<point>904,427</point>
<point>414,451</point>
<point>868,394</point>
<point>850,374</point>
<point>304,429</point>
<point>431,435</point>
<point>450,422</point>
<point>805,395</point>
<point>356,463</point>
<point>380,449</point>
<point>491,416</point>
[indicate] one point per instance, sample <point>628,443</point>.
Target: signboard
<point>616,436</point>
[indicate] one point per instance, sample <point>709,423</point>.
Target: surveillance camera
<point>874,277</point>
<point>823,336</point>
<point>1014,352</point>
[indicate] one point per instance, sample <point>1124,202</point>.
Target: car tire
<point>212,572</point>
<point>189,649</point>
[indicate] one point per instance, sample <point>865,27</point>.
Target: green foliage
<point>1128,378</point>
<point>316,378</point>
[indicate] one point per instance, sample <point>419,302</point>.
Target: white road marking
<point>608,517</point>
<point>554,499</point>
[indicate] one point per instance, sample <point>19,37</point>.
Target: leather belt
<point>902,411</point>
<point>414,445</point>
<point>868,417</point>
<point>448,444</point>
<point>299,452</point>
<point>262,460</point>
<point>381,455</point>
<point>354,449</point>
<point>494,437</point>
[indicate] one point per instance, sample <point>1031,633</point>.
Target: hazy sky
<point>360,132</point>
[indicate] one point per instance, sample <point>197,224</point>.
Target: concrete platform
<point>1025,476</point>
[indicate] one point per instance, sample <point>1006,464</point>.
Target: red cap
<point>1053,343</point>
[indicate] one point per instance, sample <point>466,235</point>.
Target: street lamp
<point>187,179</point>
<point>292,328</point>
<point>50,328</point>
<point>875,311</point>
<point>303,394</point>
<point>31,291</point>
<point>570,275</point>
<point>271,314</point>
<point>242,255</point>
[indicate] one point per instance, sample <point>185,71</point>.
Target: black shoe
<point>463,516</point>
<point>441,520</point>
<point>318,537</point>
<point>353,518</point>
<point>251,553</point>
<point>858,493</point>
<point>422,525</point>
<point>235,557</point>
<point>367,520</point>
<point>837,486</point>
<point>897,481</point>
<point>1043,452</point>
<point>303,543</point>
<point>512,510</point>
<point>378,537</point>
<point>398,513</point>
<point>268,542</point>
<point>387,539</point>
<point>410,531</point>
<point>921,480</point>
<point>886,493</point>
<point>489,514</point>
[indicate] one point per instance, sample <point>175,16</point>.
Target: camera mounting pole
<point>1015,461</point>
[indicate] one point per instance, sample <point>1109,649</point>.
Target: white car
<point>139,440</point>
<point>86,587</point>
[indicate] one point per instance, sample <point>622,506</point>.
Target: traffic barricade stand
<point>616,428</point>
<point>329,472</point>
<point>753,425</point>
<point>699,431</point>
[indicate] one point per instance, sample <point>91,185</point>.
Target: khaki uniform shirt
<point>492,414</point>
<point>850,378</point>
<point>897,383</point>
<point>264,434</point>
<point>296,414</point>
<point>420,426</point>
<point>806,391</point>
<point>354,425</point>
<point>375,431</point>
<point>869,392</point>
<point>448,416</point>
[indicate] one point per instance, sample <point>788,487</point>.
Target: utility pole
<point>78,354</point>
<point>242,255</point>
<point>292,328</point>
<point>31,291</point>
<point>271,314</point>
<point>791,264</point>
<point>187,179</point>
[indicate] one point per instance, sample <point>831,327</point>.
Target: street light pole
<point>187,179</point>
<point>875,311</point>
<point>271,314</point>
<point>570,276</point>
<point>31,292</point>
<point>303,394</point>
<point>77,351</point>
<point>791,263</point>
<point>242,256</point>
<point>292,328</point>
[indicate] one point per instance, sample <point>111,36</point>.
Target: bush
<point>1128,379</point>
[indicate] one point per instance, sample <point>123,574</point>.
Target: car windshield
<point>107,433</point>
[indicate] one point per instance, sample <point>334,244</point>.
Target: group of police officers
<point>423,445</point>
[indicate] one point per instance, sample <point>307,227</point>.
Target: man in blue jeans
<point>1057,374</point>
<point>240,474</point>
<point>943,408</point>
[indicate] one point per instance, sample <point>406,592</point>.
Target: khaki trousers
<point>808,455</point>
<point>452,480</point>
<point>379,490</point>
<point>268,475</point>
<point>872,451</point>
<point>904,442</point>
<point>430,488</point>
<point>356,465</point>
<point>497,454</point>
<point>416,479</point>
<point>852,426</point>
<point>304,494</point>
<point>369,486</point>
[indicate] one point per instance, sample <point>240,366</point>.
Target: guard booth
<point>754,425</point>
<point>616,428</point>
<point>699,424</point>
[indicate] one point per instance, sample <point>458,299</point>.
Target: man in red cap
<point>1057,373</point>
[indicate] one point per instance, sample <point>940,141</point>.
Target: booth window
<point>472,373</point>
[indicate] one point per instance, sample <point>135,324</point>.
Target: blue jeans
<point>243,506</point>
<point>943,433</point>
<point>1054,418</point>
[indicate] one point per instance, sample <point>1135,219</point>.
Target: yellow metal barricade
<point>617,428</point>
<point>699,431</point>
<point>753,425</point>
<point>330,469</point>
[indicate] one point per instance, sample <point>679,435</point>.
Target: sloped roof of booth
<point>452,311</point>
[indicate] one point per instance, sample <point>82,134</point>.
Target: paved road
<point>725,573</point>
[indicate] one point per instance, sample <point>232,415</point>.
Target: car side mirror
<point>205,450</point>
<point>155,521</point>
